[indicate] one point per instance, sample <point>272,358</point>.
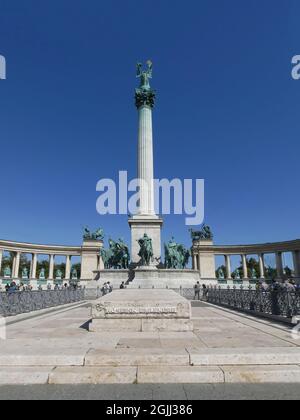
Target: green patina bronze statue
<point>146,250</point>
<point>144,95</point>
<point>117,256</point>
<point>221,275</point>
<point>205,233</point>
<point>98,235</point>
<point>25,273</point>
<point>176,255</point>
<point>7,271</point>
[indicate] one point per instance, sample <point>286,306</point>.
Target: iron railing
<point>283,302</point>
<point>15,303</point>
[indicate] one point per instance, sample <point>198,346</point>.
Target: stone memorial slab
<point>141,310</point>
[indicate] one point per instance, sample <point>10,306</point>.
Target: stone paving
<point>225,347</point>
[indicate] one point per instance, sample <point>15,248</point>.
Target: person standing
<point>197,289</point>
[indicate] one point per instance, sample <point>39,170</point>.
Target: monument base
<point>142,311</point>
<point>151,225</point>
<point>148,279</point>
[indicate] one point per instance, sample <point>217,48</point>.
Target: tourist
<point>204,291</point>
<point>104,289</point>
<point>49,287</point>
<point>197,289</point>
<point>264,286</point>
<point>110,288</point>
<point>122,285</point>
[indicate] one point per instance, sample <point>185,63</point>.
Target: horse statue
<point>117,256</point>
<point>146,250</point>
<point>99,234</point>
<point>205,233</point>
<point>177,256</point>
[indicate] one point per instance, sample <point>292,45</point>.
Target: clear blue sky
<point>227,111</point>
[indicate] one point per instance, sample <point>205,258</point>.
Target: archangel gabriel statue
<point>144,95</point>
<point>144,75</point>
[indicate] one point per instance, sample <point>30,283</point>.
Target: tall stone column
<point>279,265</point>
<point>228,267</point>
<point>245,268</point>
<point>261,266</point>
<point>145,221</point>
<point>51,267</point>
<point>68,267</point>
<point>33,267</point>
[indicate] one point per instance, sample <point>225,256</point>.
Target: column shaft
<point>195,262</point>
<point>228,266</point>
<point>279,265</point>
<point>199,262</point>
<point>68,267</point>
<point>261,266</point>
<point>33,267</point>
<point>245,268</point>
<point>296,259</point>
<point>1,258</point>
<point>145,162</point>
<point>51,267</point>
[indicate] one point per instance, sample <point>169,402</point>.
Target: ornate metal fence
<point>15,303</point>
<point>281,302</point>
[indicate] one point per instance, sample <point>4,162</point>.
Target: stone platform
<point>142,311</point>
<point>224,347</point>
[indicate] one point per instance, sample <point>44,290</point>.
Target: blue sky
<point>227,111</point>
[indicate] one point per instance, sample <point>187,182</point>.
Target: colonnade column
<point>279,265</point>
<point>1,257</point>
<point>245,268</point>
<point>68,267</point>
<point>262,266</point>
<point>51,267</point>
<point>195,262</point>
<point>228,266</point>
<point>16,265</point>
<point>296,259</point>
<point>199,262</point>
<point>33,267</point>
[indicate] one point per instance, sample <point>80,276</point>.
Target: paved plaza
<point>225,348</point>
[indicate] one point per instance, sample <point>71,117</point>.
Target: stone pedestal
<point>90,259</point>
<point>151,225</point>
<point>204,260</point>
<point>141,311</point>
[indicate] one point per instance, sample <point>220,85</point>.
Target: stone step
<point>75,375</point>
<point>138,357</point>
<point>30,375</point>
<point>244,356</point>
<point>39,356</point>
<point>93,375</point>
<point>179,375</point>
<point>262,374</point>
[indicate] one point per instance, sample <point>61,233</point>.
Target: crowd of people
<point>21,287</point>
<point>287,285</point>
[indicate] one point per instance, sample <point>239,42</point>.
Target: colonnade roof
<point>265,248</point>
